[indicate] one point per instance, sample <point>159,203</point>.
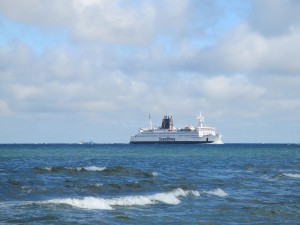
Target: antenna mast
<point>150,123</point>
<point>200,120</point>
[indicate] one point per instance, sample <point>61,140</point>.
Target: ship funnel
<point>167,122</point>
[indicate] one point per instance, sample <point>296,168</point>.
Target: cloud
<point>39,13</point>
<point>235,87</point>
<point>274,18</point>
<point>4,108</point>
<point>108,21</point>
<point>86,20</point>
<point>56,82</point>
<point>122,22</point>
<point>243,50</point>
<point>283,95</point>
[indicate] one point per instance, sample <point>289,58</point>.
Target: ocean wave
<point>292,175</point>
<point>170,198</point>
<point>93,168</point>
<point>269,178</point>
<point>217,192</point>
<point>111,171</point>
<point>128,171</point>
<point>98,184</point>
<point>61,169</point>
<point>155,174</point>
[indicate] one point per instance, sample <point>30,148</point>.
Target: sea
<point>149,184</point>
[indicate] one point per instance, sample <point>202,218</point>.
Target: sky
<point>81,70</point>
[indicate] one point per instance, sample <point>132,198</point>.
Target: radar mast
<point>201,121</point>
<point>150,123</point>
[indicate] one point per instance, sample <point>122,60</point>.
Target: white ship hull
<point>169,138</point>
<point>168,134</point>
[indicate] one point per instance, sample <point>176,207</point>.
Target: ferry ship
<point>168,134</point>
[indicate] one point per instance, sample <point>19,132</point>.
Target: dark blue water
<point>150,184</point>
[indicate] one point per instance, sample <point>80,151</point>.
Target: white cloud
<point>123,22</point>
<point>282,94</point>
<point>273,18</point>
<point>245,51</point>
<point>39,13</point>
<point>230,88</point>
<point>22,92</point>
<point>4,108</point>
<point>87,20</point>
<point>283,54</point>
<point>106,20</point>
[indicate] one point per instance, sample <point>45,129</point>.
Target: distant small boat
<point>168,134</point>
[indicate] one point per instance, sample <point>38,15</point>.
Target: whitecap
<point>94,168</point>
<point>155,174</point>
<point>85,203</point>
<point>44,168</point>
<point>292,175</point>
<point>218,192</point>
<point>170,198</point>
<point>47,168</point>
<point>87,168</point>
<point>98,184</point>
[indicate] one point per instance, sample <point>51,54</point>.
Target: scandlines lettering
<point>166,139</point>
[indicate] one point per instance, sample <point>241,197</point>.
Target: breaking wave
<point>61,169</point>
<point>113,171</point>
<point>93,168</point>
<point>155,174</point>
<point>292,175</point>
<point>170,198</point>
<point>217,192</point>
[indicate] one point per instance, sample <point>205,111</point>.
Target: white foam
<point>218,192</point>
<point>80,168</point>
<point>293,175</point>
<point>47,168</point>
<point>94,168</point>
<point>85,203</point>
<point>88,168</point>
<point>171,198</point>
<point>155,174</point>
<point>98,184</point>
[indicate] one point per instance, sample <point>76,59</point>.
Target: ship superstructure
<point>167,133</point>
